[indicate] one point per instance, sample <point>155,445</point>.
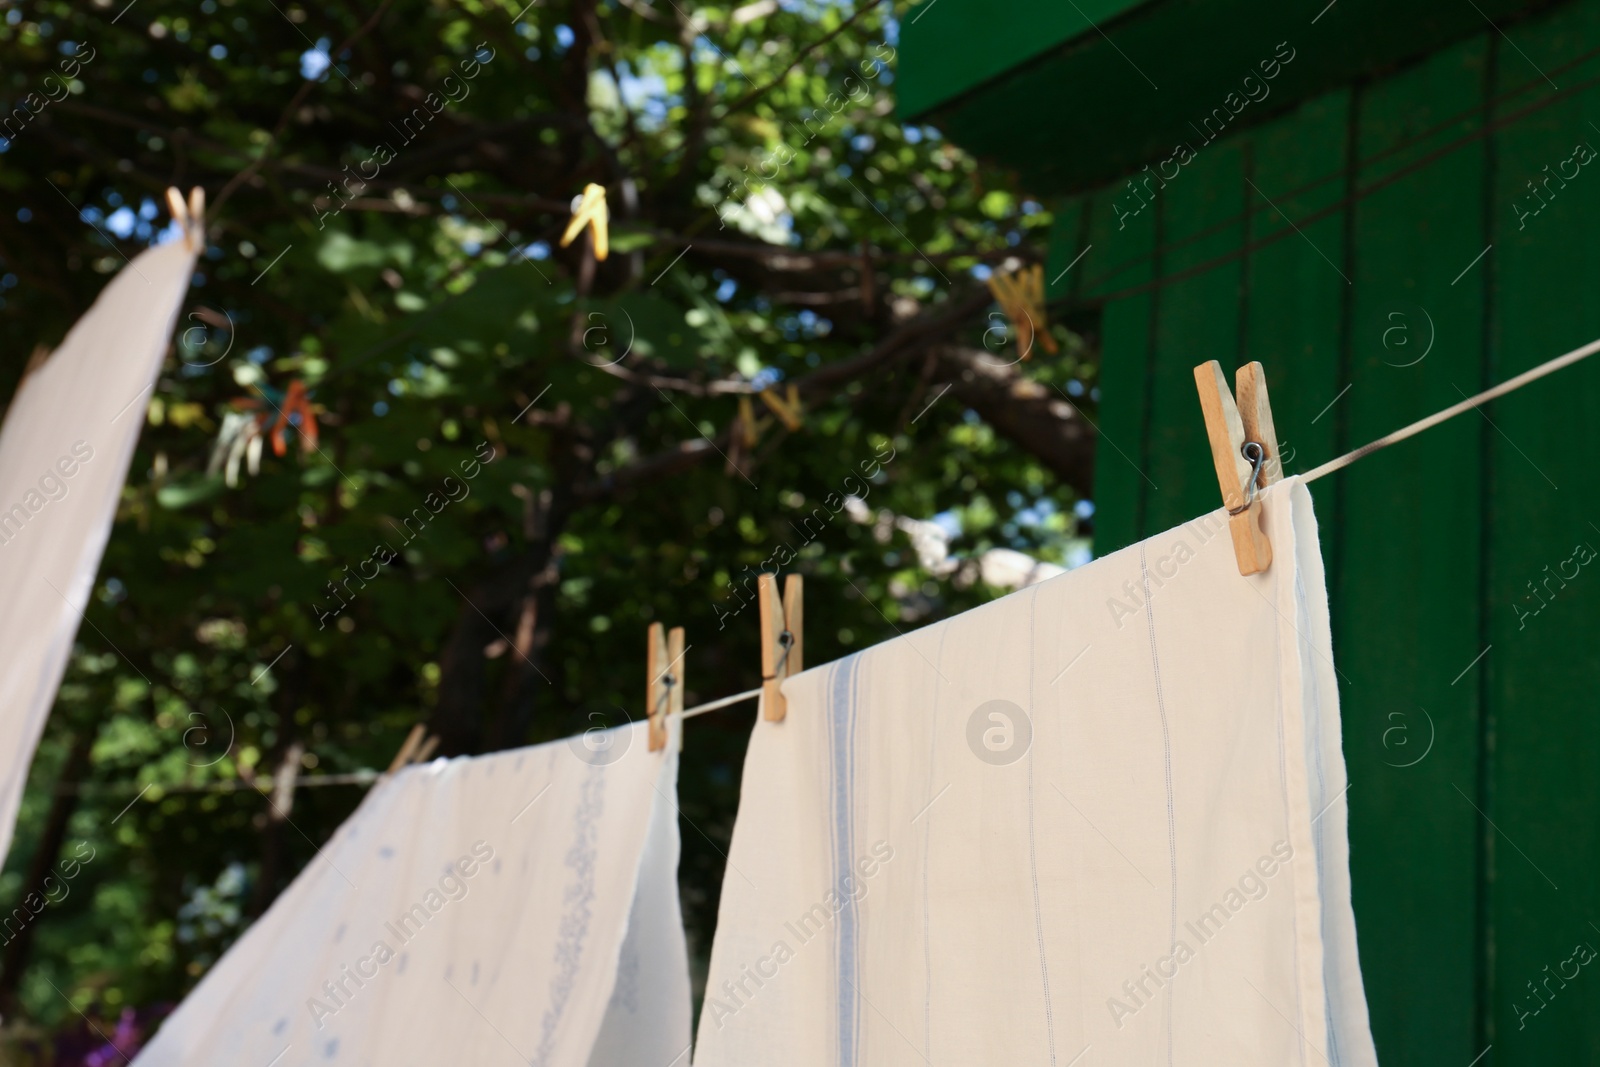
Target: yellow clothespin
<point>590,210</point>
<point>664,687</point>
<point>782,624</point>
<point>788,411</point>
<point>1021,297</point>
<point>1244,450</point>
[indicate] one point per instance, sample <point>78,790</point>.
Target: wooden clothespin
<point>664,685</point>
<point>590,210</point>
<point>283,782</point>
<point>416,748</point>
<point>191,216</point>
<point>745,424</point>
<point>782,625</point>
<point>408,748</point>
<point>1244,449</point>
<point>1021,296</point>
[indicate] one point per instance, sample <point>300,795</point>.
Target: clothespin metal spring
<point>1257,456</point>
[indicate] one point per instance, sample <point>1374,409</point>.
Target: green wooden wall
<point>1340,245</point>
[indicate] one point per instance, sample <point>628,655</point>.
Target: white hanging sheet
<point>65,447</point>
<point>1098,821</point>
<point>520,907</point>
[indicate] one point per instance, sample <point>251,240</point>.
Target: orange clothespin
<point>295,400</point>
<point>590,210</point>
<point>1244,450</point>
<point>664,685</point>
<point>1021,296</point>
<point>782,624</point>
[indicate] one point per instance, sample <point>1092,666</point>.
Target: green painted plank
<point>1407,613</point>
<point>1124,356</point>
<point>1022,83</point>
<point>1068,236</point>
<point>1197,320</point>
<point>1453,915</point>
<point>1294,296</point>
<point>1123,253</point>
<point>1542,672</point>
<point>962,44</point>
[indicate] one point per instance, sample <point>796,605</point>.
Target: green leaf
<point>186,491</point>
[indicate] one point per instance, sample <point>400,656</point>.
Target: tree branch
<point>757,93</point>
<point>289,111</point>
<point>1035,417</point>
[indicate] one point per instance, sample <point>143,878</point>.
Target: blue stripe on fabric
<point>851,908</point>
<point>841,725</point>
<point>835,803</point>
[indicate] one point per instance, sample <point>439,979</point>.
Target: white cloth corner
<point>1098,821</point>
<point>65,447</point>
<point>516,907</point>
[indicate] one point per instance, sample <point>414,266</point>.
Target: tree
<point>524,453</point>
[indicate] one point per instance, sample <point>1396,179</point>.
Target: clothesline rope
<point>1510,385</point>
<point>366,776</point>
<point>713,705</point>
<point>264,784</point>
<point>1507,386</point>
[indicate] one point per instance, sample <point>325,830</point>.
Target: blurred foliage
<point>436,321</point>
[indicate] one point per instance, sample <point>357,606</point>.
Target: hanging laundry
<point>517,907</point>
<point>1098,821</point>
<point>65,447</point>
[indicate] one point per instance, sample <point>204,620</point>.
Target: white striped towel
<point>1098,821</point>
